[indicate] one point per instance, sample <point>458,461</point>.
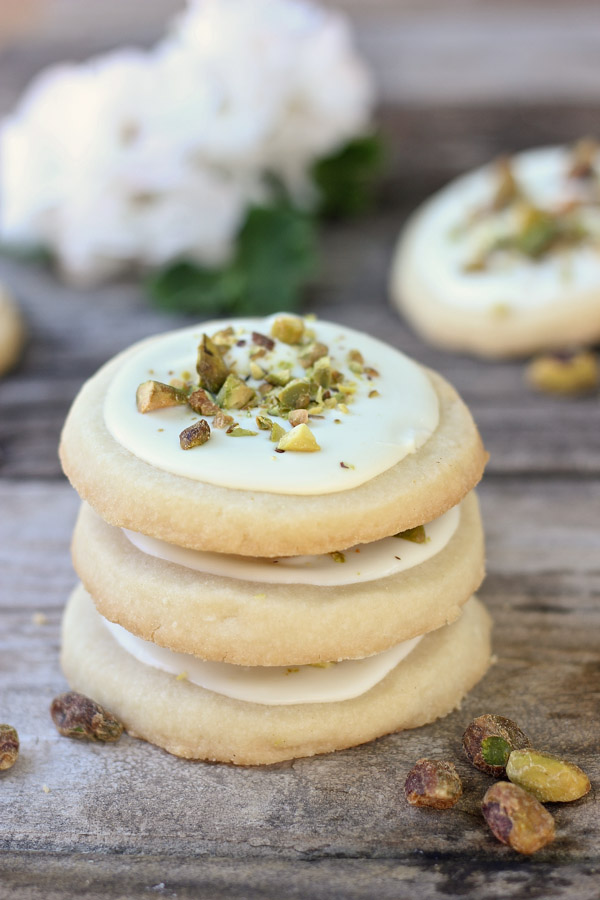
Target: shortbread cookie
<point>283,612</point>
<point>504,261</point>
<point>197,723</point>
<point>393,446</point>
<point>12,331</point>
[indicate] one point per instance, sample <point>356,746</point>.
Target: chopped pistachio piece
<point>195,435</point>
<point>222,420</point>
<point>257,373</point>
<point>277,432</point>
<point>224,339</point>
<point>210,366</point>
<point>355,356</point>
<point>567,374</point>
<point>539,230</point>
<point>278,377</point>
<point>298,417</point>
<point>507,189</point>
<point>234,393</point>
<point>476,263</point>
<point>262,340</point>
<point>583,158</point>
<point>337,556</point>
<point>264,423</point>
<point>152,395</point>
<point>241,432</point>
<point>374,394</point>
<point>321,373</point>
<point>202,403</point>
<point>288,329</point>
<point>295,395</point>
<point>415,535</point>
<point>312,353</point>
<point>300,439</point>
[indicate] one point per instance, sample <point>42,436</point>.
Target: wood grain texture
<point>543,590</point>
<point>422,52</point>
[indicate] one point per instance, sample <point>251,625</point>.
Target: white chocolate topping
<point>369,436</point>
<point>366,562</point>
<point>269,685</point>
<point>443,241</point>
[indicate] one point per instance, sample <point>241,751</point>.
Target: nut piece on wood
<point>75,715</point>
<point>516,818</point>
<point>195,435</point>
<point>9,746</point>
<point>565,373</point>
<point>489,740</point>
<point>550,779</point>
<point>434,783</point>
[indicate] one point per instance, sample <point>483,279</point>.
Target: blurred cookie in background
<point>505,261</point>
<point>12,331</point>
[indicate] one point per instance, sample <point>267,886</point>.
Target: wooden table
<point>130,821</point>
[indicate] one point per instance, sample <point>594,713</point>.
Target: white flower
<point>292,88</point>
<point>139,157</point>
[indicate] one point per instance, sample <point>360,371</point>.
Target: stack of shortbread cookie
<point>279,542</point>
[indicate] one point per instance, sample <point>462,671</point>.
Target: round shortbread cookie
<point>130,493</point>
<point>12,332</point>
<point>516,305</point>
<point>192,722</point>
<point>268,624</point>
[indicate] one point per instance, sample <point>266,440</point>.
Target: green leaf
<point>274,258</point>
<point>345,179</point>
<point>34,253</point>
<point>189,288</point>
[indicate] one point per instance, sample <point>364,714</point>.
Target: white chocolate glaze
<point>373,435</point>
<point>440,246</point>
<point>269,685</point>
<point>366,562</point>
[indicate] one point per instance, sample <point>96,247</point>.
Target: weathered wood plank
<point>43,876</point>
<point>423,53</point>
<point>543,591</point>
<point>128,820</point>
